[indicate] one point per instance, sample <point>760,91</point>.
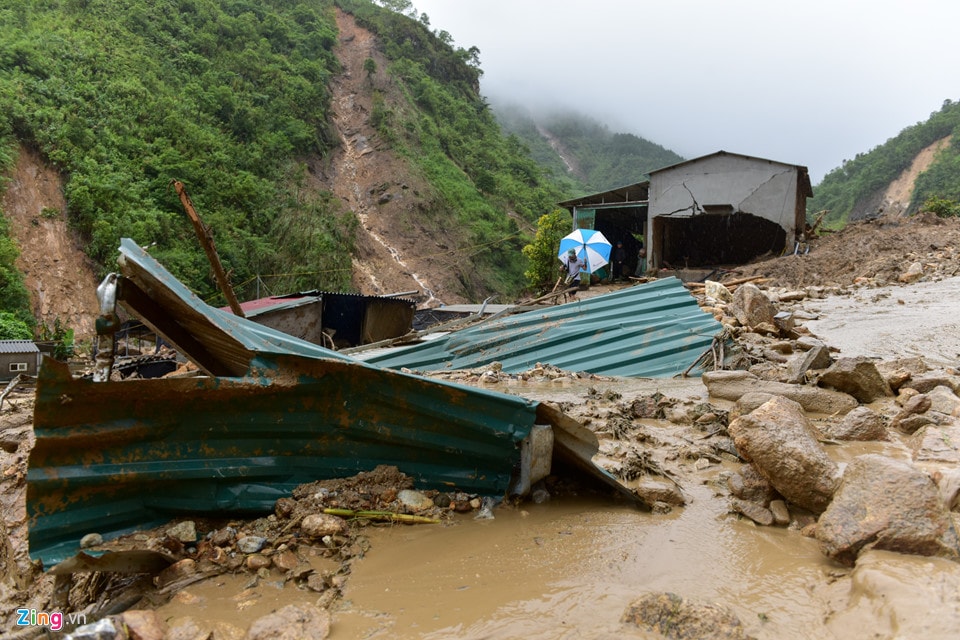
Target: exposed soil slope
<point>61,280</point>
<point>396,252</point>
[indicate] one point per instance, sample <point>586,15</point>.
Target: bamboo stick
<point>382,515</point>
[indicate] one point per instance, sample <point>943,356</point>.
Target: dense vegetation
<point>852,191</point>
<point>603,160</point>
<point>124,96</point>
<point>231,98</point>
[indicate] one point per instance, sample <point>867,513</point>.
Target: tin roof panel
<point>652,330</point>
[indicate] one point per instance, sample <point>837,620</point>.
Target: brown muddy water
<point>922,319</point>
<point>569,568</point>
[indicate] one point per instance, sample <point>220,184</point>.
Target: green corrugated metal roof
<point>111,457</point>
<point>655,329</point>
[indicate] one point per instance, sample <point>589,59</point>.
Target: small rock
<point>414,500</point>
<point>176,571</point>
<point>255,562</point>
<point>540,495</point>
<point>284,507</point>
<point>315,582</point>
<point>91,540</point>
<point>660,508</point>
<point>913,273</point>
<point>144,625</point>
<point>185,531</point>
<point>286,560</point>
<point>292,622</point>
<point>759,514</point>
<point>222,537</point>
<point>651,491</point>
<point>102,629</point>
<point>671,617</point>
<point>318,525</point>
<point>781,515</point>
<point>251,544</point>
<point>863,423</point>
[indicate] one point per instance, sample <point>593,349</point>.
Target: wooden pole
<point>206,241</point>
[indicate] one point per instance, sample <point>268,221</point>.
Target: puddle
<point>569,569</point>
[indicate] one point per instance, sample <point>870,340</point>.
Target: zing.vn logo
<point>54,619</point>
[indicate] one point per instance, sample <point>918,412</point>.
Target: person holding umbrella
<point>571,266</point>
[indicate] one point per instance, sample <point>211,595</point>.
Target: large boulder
<point>732,385</point>
<point>863,423</point>
<point>888,504</point>
<point>781,443</point>
<point>751,307</point>
<point>857,376</point>
<point>936,443</point>
<point>817,357</point>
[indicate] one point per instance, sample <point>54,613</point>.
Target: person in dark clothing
<point>618,270</point>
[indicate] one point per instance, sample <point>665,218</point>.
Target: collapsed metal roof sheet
<point>272,413</point>
<point>652,330</point>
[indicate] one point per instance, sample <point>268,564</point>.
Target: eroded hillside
<point>57,273</point>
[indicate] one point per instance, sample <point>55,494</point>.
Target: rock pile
<point>876,501</point>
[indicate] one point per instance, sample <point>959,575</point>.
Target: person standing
<point>572,265</point>
<point>618,269</point>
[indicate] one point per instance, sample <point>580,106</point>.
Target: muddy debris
<point>674,618</point>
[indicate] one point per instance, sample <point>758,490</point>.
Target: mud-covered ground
<point>567,563</point>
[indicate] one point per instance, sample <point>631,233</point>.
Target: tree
<point>12,328</point>
<point>542,253</point>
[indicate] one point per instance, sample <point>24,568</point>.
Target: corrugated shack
<point>336,320</point>
<point>18,357</point>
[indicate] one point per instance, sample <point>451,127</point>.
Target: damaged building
<point>719,209</point>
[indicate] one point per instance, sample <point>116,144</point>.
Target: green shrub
<point>943,207</point>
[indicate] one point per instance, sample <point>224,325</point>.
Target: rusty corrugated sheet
<point>655,329</point>
<point>271,413</point>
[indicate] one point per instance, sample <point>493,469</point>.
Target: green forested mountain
<point>232,98</point>
<point>593,157</point>
<point>853,190</point>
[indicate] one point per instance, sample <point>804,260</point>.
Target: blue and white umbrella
<point>590,245</point>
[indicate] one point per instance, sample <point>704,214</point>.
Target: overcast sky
<point>811,83</point>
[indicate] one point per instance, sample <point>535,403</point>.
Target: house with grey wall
<point>725,208</point>
<point>18,357</point>
<point>719,209</point>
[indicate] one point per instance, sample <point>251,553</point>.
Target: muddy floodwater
<point>922,319</point>
<point>568,569</point>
